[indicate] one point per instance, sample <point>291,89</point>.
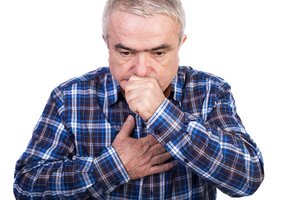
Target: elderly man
<point>142,128</point>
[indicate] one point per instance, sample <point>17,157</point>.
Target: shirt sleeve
<point>50,168</point>
<point>218,149</point>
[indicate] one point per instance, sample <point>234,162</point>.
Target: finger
<point>162,158</point>
<point>135,77</point>
<point>123,84</point>
<point>131,86</point>
<point>138,78</point>
<point>157,149</point>
<point>137,82</point>
<point>127,127</point>
<point>149,140</point>
<point>156,169</point>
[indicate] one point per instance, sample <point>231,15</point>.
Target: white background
<point>254,45</point>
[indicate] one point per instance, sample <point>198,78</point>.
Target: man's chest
<point>95,128</point>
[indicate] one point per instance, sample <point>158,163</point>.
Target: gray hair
<point>145,8</point>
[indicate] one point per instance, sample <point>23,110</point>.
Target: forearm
<point>66,178</point>
<point>230,161</point>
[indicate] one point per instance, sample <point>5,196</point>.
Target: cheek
<point>166,75</point>
<point>169,64</point>
<point>119,69</point>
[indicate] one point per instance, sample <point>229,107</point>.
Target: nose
<point>141,64</point>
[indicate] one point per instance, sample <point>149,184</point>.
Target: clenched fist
<point>143,95</point>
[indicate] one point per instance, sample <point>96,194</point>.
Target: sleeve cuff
<point>168,123</point>
<point>110,171</point>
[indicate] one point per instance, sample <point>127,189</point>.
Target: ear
<point>184,37</point>
<point>105,40</point>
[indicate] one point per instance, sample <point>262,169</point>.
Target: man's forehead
<point>129,21</point>
<point>140,33</point>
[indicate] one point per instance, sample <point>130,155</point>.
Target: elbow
<point>19,189</point>
<point>256,178</point>
<point>251,184</point>
<point>19,193</point>
<point>22,186</point>
<point>249,190</point>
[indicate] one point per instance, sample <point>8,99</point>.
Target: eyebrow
<point>160,47</point>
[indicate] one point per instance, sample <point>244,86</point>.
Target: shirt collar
<point>177,85</point>
<point>113,88</point>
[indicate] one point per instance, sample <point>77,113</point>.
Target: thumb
<point>123,84</point>
<point>127,127</point>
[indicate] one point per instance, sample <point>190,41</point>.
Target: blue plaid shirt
<point>70,155</point>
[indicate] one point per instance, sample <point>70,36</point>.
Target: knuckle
<point>149,84</point>
<point>145,149</point>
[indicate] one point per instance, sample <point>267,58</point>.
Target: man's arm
<point>218,149</point>
<point>50,166</point>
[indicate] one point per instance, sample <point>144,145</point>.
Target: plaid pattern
<point>70,154</point>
